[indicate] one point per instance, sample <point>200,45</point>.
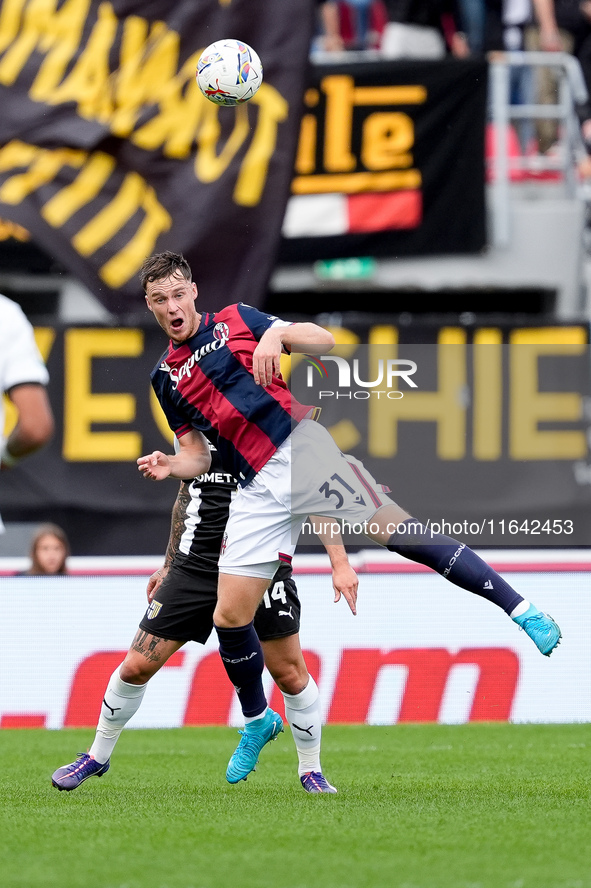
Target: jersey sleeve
<point>176,419</point>
<point>257,321</point>
<point>21,360</point>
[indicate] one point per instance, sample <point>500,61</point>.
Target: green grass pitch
<point>419,806</point>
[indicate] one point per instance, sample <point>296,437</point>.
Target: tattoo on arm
<point>177,524</point>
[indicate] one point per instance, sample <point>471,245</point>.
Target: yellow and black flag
<point>109,152</point>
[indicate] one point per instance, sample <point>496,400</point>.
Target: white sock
<point>121,701</point>
<point>254,718</point>
<point>520,609</point>
<point>303,714</point>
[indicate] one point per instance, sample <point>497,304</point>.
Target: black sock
<point>454,561</point>
<point>242,656</point>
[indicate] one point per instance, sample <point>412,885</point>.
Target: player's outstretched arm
<point>344,579</point>
<point>193,458</point>
<point>34,427</point>
<point>305,337</point>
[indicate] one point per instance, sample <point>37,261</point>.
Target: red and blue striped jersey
<point>206,383</point>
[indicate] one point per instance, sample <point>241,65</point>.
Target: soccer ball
<point>229,72</point>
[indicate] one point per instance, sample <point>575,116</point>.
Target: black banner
<point>110,152</point>
<point>390,162</point>
<point>496,430</point>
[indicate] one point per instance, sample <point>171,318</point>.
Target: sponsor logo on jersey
<point>216,478</point>
<point>178,373</point>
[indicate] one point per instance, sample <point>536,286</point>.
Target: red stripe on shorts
<point>371,490</point>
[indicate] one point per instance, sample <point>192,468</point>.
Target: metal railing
<point>571,93</point>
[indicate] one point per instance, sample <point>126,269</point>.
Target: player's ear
<point>148,303</point>
<point>195,290</point>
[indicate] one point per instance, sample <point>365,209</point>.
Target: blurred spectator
<point>423,29</point>
<point>23,377</point>
<point>507,22</point>
<point>49,552</point>
<point>351,24</point>
<point>472,15</point>
<point>568,30</point>
<point>331,39</point>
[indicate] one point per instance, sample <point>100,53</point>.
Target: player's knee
<point>137,670</point>
<point>226,618</point>
<point>290,677</point>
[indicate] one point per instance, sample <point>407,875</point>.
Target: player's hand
<point>155,466</point>
<point>155,582</point>
<point>345,582</point>
<point>266,358</point>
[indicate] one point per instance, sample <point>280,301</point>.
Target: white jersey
<point>20,359</point>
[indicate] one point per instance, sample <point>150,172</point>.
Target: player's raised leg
<point>285,662</point>
<point>122,699</point>
<point>242,656</point>
<point>456,562</point>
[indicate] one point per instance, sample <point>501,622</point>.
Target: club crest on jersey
<point>221,331</point>
<point>153,609</point>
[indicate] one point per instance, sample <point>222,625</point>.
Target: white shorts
<point>307,475</point>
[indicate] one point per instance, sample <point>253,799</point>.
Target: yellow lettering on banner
<point>341,97</point>
<point>209,165</point>
<point>124,264</point>
<point>273,109</point>
<point>10,22</point>
<point>386,143</point>
<point>86,186</point>
<point>181,108</point>
<point>43,168</point>
<point>446,406</point>
<point>44,337</point>
<point>62,33</point>
<point>148,60</point>
<point>112,217</point>
<point>133,195</point>
<point>160,418</point>
<point>16,154</point>
<point>383,334</point>
<point>88,83</point>
<point>13,230</point>
<point>353,183</point>
<point>83,408</point>
<point>345,432</point>
<point>387,140</point>
<point>390,95</point>
<point>306,153</point>
<point>146,76</point>
<point>38,25</point>
<point>487,415</point>
<point>529,407</point>
<point>338,157</point>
